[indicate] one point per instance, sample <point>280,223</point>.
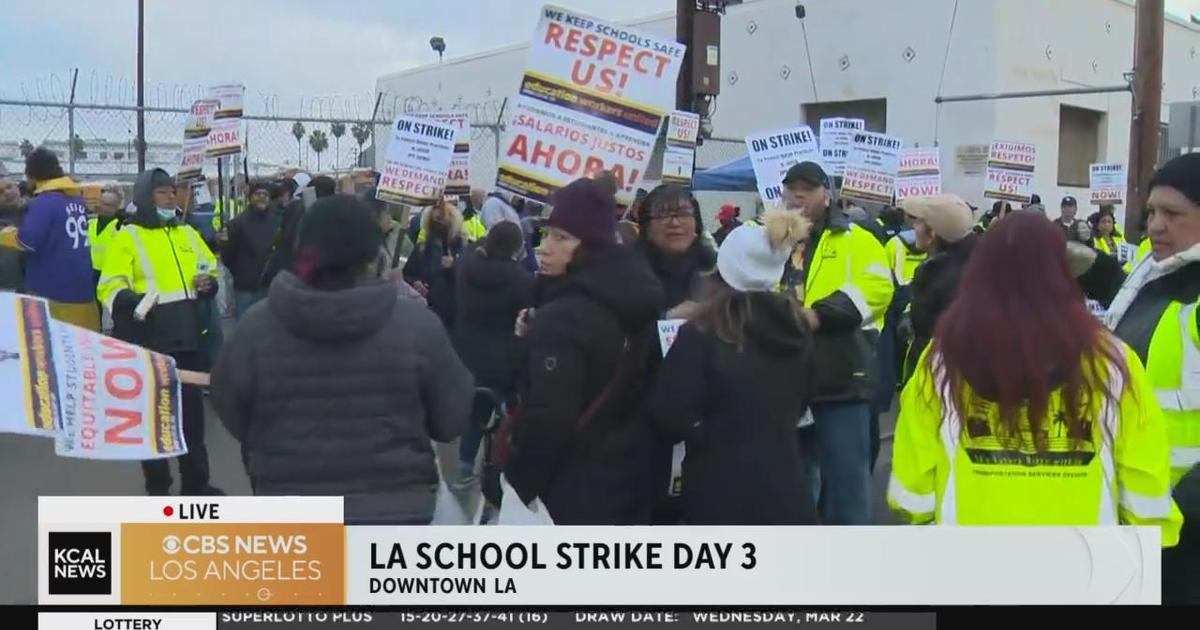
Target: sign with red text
<point>200,118</point>
<point>1010,169</point>
<point>99,397</point>
<point>772,153</point>
<point>836,136</point>
<point>191,159</point>
<point>592,98</point>
<point>871,168</point>
<point>418,161</point>
<point>458,178</point>
<point>679,157</point>
<point>1108,183</point>
<point>920,173</point>
<point>228,128</point>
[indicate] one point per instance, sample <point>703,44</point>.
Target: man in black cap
<point>841,277</point>
<point>1074,229</point>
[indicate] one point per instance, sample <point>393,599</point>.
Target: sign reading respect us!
<point>418,161</point>
<point>1010,168</point>
<point>592,98</point>
<point>679,156</point>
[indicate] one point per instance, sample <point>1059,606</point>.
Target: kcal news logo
<point>80,563</point>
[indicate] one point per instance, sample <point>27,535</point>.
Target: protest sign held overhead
<point>772,153</point>
<point>683,128</point>
<point>195,140</point>
<point>920,173</point>
<point>1108,183</point>
<point>100,398</point>
<point>871,168</point>
<point>418,161</point>
<point>458,178</point>
<point>1010,169</point>
<point>836,136</point>
<point>228,129</point>
<point>592,98</point>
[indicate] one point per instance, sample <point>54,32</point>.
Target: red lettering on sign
<point>120,350</point>
<point>126,420</point>
<point>114,387</point>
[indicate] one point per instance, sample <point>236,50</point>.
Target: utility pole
<point>685,20</point>
<point>1147,108</point>
<point>141,85</point>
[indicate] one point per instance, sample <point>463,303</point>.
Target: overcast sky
<point>281,49</point>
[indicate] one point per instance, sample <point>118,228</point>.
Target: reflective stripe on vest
<point>1187,397</point>
<point>148,270</point>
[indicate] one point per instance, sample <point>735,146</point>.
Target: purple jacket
<point>58,265</point>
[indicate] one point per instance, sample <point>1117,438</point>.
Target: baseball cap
<point>1069,201</point>
<point>809,173</point>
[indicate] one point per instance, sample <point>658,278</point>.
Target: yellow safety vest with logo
<point>902,261</point>
<point>851,261</point>
<point>1173,365</point>
<point>946,473</point>
<point>165,260</point>
<point>100,241</point>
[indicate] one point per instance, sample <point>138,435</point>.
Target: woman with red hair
<point>1025,410</point>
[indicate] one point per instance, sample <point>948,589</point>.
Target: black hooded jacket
<point>586,339</point>
<point>934,289</point>
<point>490,294</point>
<point>737,410</point>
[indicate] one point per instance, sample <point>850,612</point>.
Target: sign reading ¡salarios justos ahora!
<point>592,98</point>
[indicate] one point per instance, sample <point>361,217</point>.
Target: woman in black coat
<point>578,442</point>
<point>736,381</point>
<point>430,268</point>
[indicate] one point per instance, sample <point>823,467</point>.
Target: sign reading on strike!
<point>458,178</point>
<point>1108,182</point>
<point>772,153</point>
<point>1010,169</point>
<point>418,161</point>
<point>592,98</point>
<point>683,128</point>
<point>920,173</point>
<point>836,136</point>
<point>871,169</point>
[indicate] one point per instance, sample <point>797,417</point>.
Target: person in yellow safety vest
<point>1157,312</point>
<point>1108,239</point>
<point>156,272</point>
<point>842,279</point>
<point>109,218</point>
<point>1029,416</point>
<point>903,257</point>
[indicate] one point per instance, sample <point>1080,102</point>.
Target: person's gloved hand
<point>126,301</point>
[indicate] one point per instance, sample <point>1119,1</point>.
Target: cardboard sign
<point>679,157</point>
<point>592,98</point>
<point>920,173</point>
<point>772,153</point>
<point>871,168</point>
<point>458,178</point>
<point>1010,168</point>
<point>1107,183</point>
<point>418,161</point>
<point>100,398</point>
<point>836,137</point>
<point>668,329</point>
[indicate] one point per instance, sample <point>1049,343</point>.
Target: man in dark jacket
<point>1074,229</point>
<point>248,247</point>
<point>334,386</point>
<point>287,220</point>
<point>12,275</point>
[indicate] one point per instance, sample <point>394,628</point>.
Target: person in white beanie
<point>734,382</point>
<point>943,225</point>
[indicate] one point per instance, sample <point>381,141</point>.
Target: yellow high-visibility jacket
<point>1114,250</point>
<point>903,261</point>
<point>165,259</point>
<point>951,474</point>
<point>100,240</point>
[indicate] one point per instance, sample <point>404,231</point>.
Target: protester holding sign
<point>735,381</point>
<point>1109,240</point>
<point>156,271</point>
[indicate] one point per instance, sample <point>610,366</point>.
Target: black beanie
<point>585,210</point>
<point>1182,174</point>
<point>338,236</point>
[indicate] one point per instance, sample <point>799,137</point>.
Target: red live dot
<point>167,511</point>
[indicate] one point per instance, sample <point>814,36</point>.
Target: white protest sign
<point>200,118</point>
<point>230,98</point>
<point>1010,169</point>
<point>1108,182</point>
<point>679,157</point>
<point>418,161</point>
<point>1127,253</point>
<point>592,98</point>
<point>920,173</point>
<point>668,329</point>
<point>772,153</point>
<point>191,159</point>
<point>870,174</point>
<point>836,136</point>
<point>228,129</point>
<point>99,397</point>
<point>458,178</point>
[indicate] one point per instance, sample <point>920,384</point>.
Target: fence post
<point>498,127</point>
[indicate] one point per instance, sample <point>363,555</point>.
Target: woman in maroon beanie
<point>579,441</point>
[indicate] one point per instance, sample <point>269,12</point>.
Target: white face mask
<point>166,214</point>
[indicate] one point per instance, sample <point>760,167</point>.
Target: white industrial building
<point>886,61</point>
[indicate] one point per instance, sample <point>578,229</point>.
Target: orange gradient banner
<point>232,564</point>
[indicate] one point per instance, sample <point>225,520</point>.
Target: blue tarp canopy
<point>736,175</point>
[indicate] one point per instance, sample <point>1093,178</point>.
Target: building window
<point>119,155</point>
<point>872,111</point>
<point>104,155</point>
<point>1079,144</point>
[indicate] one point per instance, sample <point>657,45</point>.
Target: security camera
<point>800,11</point>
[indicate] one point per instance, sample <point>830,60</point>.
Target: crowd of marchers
<point>1048,371</point>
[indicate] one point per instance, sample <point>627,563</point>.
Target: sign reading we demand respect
<point>592,98</point>
<point>418,161</point>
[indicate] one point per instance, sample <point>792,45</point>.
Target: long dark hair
<point>727,312</point>
<point>1020,329</point>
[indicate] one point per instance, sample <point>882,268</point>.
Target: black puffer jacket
<point>596,474</point>
<point>934,289</point>
<point>737,410</point>
<point>337,393</point>
<point>490,294</point>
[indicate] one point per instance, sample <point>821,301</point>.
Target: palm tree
<point>361,133</point>
<point>338,129</point>
<point>298,131</point>
<point>26,148</point>
<point>319,142</point>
